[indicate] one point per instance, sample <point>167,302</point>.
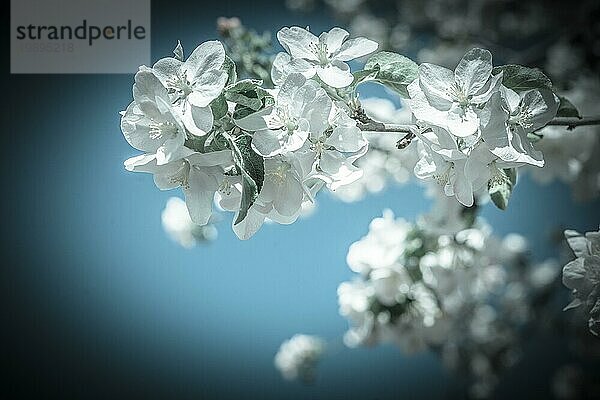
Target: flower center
<point>499,177</point>
<point>178,84</point>
<point>279,174</point>
<point>458,95</point>
<point>225,187</point>
<point>443,177</point>
<point>163,129</point>
<point>181,177</point>
<point>522,117</point>
<point>320,50</point>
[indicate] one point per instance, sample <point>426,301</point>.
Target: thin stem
<point>572,123</point>
<point>366,124</point>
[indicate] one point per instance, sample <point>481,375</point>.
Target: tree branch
<point>572,123</point>
<point>366,124</point>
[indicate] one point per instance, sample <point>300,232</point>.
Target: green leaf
<point>501,187</point>
<point>229,67</point>
<point>520,78</point>
<point>567,109</point>
<point>247,93</point>
<point>219,107</point>
<point>364,75</point>
<point>178,52</point>
<point>393,70</point>
<point>252,169</point>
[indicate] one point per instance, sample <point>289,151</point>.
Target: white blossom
<point>582,275</point>
<point>301,109</point>
<point>150,123</point>
<point>194,83</point>
<point>199,175</point>
<point>297,357</point>
<point>324,56</point>
<point>452,100</point>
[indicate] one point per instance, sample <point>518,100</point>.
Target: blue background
<point>99,302</point>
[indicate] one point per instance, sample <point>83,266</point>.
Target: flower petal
<point>256,121</point>
<point>355,48</point>
<point>462,122</point>
<point>267,143</point>
<point>167,68</point>
<point>207,88</point>
<point>197,120</point>
<point>336,74</point>
<point>334,38</point>
<point>435,81</point>
<point>474,70</point>
<point>208,56</point>
<point>298,41</point>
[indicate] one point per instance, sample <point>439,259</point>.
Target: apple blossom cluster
<point>258,153</point>
<point>452,288</point>
<point>582,275</point>
<point>474,129</point>
<point>297,357</point>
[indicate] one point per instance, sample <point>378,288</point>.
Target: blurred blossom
<point>567,383</point>
<point>452,288</point>
<point>582,275</point>
<point>177,223</point>
<point>297,357</point>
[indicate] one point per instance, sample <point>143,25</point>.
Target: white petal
<point>249,225</point>
<point>267,143</point>
<point>167,68</point>
<point>297,42</point>
<point>334,38</point>
<point>136,130</point>
<point>148,87</point>
<point>197,120</point>
<point>435,81</point>
<point>288,200</point>
<point>169,150</point>
<point>346,139</point>
<point>422,109</point>
<point>208,56</point>
<point>336,74</point>
<point>462,122</point>
<point>577,242</point>
<point>207,88</point>
<point>543,105</point>
<point>255,122</point>
<point>355,48</point>
<point>474,70</point>
<point>461,185</point>
<point>214,158</point>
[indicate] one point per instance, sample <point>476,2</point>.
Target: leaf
<point>252,169</point>
<point>219,107</point>
<point>178,52</point>
<point>393,70</point>
<point>229,67</point>
<point>501,188</point>
<point>567,109</point>
<point>363,75</point>
<point>520,78</point>
<point>247,93</point>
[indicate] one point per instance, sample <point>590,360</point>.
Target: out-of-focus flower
<point>582,275</point>
<point>179,226</point>
<point>297,357</point>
